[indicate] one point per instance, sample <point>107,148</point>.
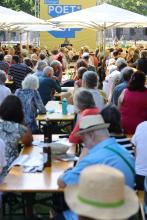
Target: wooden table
<point>66,94</point>
<point>46,181</point>
<point>9,82</point>
<point>30,183</point>
<point>57,115</point>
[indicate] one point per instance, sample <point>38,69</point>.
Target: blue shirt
<point>100,155</point>
<point>117,92</point>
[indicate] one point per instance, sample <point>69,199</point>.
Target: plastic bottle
<point>64,106</point>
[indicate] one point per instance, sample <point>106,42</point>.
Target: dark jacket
<point>46,87</point>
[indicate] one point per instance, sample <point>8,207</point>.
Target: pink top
<point>133,110</point>
<point>89,111</point>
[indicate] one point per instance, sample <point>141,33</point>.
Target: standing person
<point>47,85</point>
<point>18,71</point>
<point>102,195</point>
<point>4,91</point>
<point>31,101</point>
<point>132,103</point>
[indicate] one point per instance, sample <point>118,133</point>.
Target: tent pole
<point>20,34</point>
<point>8,38</point>
<point>27,40</point>
<point>104,38</point>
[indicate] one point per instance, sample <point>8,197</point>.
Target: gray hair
<point>8,58</point>
<point>143,54</point>
<point>2,77</point>
<point>90,79</point>
<point>83,99</point>
<point>55,63</point>
<point>30,82</point>
<point>47,70</point>
<point>41,65</point>
<point>120,61</point>
<point>102,132</point>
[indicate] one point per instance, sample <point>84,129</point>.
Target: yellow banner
<point>77,37</point>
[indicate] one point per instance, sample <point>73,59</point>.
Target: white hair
<point>30,82</point>
<point>47,70</point>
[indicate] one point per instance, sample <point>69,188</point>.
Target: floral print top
<point>11,133</point>
<point>32,105</point>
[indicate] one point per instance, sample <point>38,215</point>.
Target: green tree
<point>138,6</point>
<point>23,5</point>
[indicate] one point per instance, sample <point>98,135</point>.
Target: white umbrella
<point>9,17</point>
<point>101,17</point>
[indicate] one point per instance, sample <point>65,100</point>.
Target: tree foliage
<point>23,5</point>
<point>138,6</point>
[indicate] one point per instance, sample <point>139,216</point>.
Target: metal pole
<point>20,34</point>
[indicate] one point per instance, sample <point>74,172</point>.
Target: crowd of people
<point>110,100</point>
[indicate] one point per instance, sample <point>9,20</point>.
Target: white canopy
<point>11,20</point>
<point>100,17</point>
<point>9,16</point>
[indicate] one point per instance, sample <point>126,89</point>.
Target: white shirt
<point>4,92</point>
<point>109,82</point>
<point>139,139</point>
<point>2,155</point>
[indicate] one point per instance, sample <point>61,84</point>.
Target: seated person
<point>31,101</point>
<point>57,67</point>
<point>12,129</point>
<point>47,85</point>
<point>39,69</point>
<point>90,82</point>
<point>99,148</point>
<point>2,155</point>
<point>78,82</point>
<point>4,91</point>
<point>101,194</point>
<point>111,115</point>
<point>85,105</point>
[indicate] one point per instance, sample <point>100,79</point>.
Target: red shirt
<point>133,110</point>
<point>75,139</point>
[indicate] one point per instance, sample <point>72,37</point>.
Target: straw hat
<point>90,123</point>
<point>102,194</point>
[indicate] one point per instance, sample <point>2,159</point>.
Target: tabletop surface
<point>46,181</point>
<point>9,82</point>
<point>56,106</point>
<point>63,93</point>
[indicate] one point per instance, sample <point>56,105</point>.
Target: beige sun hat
<point>90,123</point>
<point>102,194</point>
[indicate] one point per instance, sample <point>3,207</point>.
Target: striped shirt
<point>123,140</point>
<point>19,72</point>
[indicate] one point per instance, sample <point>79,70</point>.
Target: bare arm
<point>120,99</point>
<point>27,138</point>
<point>60,183</point>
